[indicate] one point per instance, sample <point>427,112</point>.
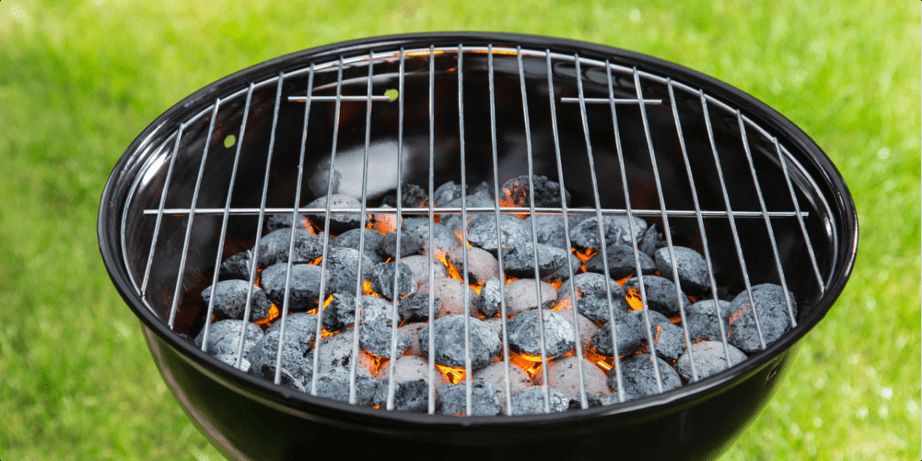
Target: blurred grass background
<point>80,79</point>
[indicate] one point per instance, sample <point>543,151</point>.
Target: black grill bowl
<point>249,418</point>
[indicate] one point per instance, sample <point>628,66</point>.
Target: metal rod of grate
<point>664,213</point>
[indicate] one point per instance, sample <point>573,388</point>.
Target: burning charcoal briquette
<point>652,240</point>
<point>237,266</point>
<point>412,331</point>
<point>419,264</point>
<point>774,320</point>
<point>337,351</point>
<point>296,350</point>
<point>519,259</point>
<point>224,337</point>
<point>630,335</point>
<point>273,248</point>
<point>661,294</point>
<point>280,221</point>
<point>408,395</point>
<point>443,239</point>
<point>531,401</point>
<point>286,377</point>
<point>342,264</point>
<point>616,229</point>
<point>410,244</point>
<point>375,337</point>
<point>587,328</point>
<point>334,384</point>
<point>482,232</point>
<point>231,359</point>
<point>411,368</point>
<point>639,379</point>
<point>230,299</point>
<point>702,323</point>
<point>610,399</point>
<point>412,196</point>
<point>481,265</point>
<point>350,239</point>
<point>451,399</point>
<point>452,221</point>
<point>446,193</point>
<point>340,312</point>
<point>484,189</point>
<point>710,359</point>
<point>450,296</point>
<point>668,338</point>
<point>304,290</point>
<point>563,274</point>
<point>301,328</point>
<point>564,375</point>
<point>592,401</point>
<point>550,228</point>
<point>319,182</point>
<point>384,273</point>
<point>590,291</point>
<point>693,271</point>
<point>488,301</point>
<point>522,295</point>
<point>525,335</point>
<point>339,222</point>
<point>415,307</point>
<point>621,262</point>
<point>546,192</point>
<point>495,374</point>
<point>450,343</point>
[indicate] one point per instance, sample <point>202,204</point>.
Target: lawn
<point>80,79</point>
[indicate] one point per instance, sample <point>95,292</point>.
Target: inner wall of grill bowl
<point>513,161</point>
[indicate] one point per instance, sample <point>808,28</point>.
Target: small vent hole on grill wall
<point>230,140</point>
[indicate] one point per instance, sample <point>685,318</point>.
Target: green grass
<point>80,79</point>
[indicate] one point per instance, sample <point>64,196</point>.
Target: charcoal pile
<point>532,288</point>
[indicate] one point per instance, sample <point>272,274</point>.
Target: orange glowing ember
<point>676,319</point>
<point>557,284</point>
<point>738,314</point>
<point>586,255</point>
<point>453,272</point>
<point>382,223</point>
<point>510,203</point>
<point>529,363</point>
<point>272,317</point>
<point>317,261</point>
<point>453,375</point>
<point>621,282</point>
<point>366,289</point>
<point>633,299</point>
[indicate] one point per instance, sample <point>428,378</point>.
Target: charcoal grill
<point>625,133</point>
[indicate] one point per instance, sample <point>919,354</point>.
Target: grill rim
<point>818,166</point>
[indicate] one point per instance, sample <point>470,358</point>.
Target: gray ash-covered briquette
<point>610,399</point>
<point>410,368</point>
<point>668,337</point>
<point>319,181</point>
<point>412,331</point>
<point>639,379</point>
<point>652,240</point>
<point>412,196</point>
<point>564,375</point>
<point>482,232</point>
<point>710,359</point>
<point>231,359</point>
<point>481,265</point>
<point>450,344</point>
<point>446,193</point>
<point>550,228</point>
<point>452,221</point>
<point>522,295</point>
<point>350,239</point>
<point>774,320</point>
<point>495,374</point>
<point>702,323</point>
<point>450,295</point>
<point>592,401</point>
<point>375,337</point>
<point>230,299</point>
<point>224,337</point>
<point>490,297</point>
<point>590,290</point>
<point>383,276</point>
<point>337,351</point>
<point>335,384</point>
<point>415,307</point>
<point>419,264</point>
<point>546,193</point>
<point>525,335</point>
<point>616,229</point>
<point>519,259</point>
<point>563,274</point>
<point>340,312</point>
<point>273,247</point>
<point>484,189</point>
<point>408,395</point>
<point>304,289</point>
<point>693,270</point>
<point>275,222</point>
<point>661,294</point>
<point>587,328</point>
<point>339,222</point>
<point>300,328</point>
<point>410,244</point>
<point>443,239</point>
<point>451,399</point>
<point>621,262</point>
<point>530,401</point>
<point>342,264</point>
<point>297,357</point>
<point>630,335</point>
<point>237,266</point>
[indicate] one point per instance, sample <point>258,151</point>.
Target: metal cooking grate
<point>457,54</point>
